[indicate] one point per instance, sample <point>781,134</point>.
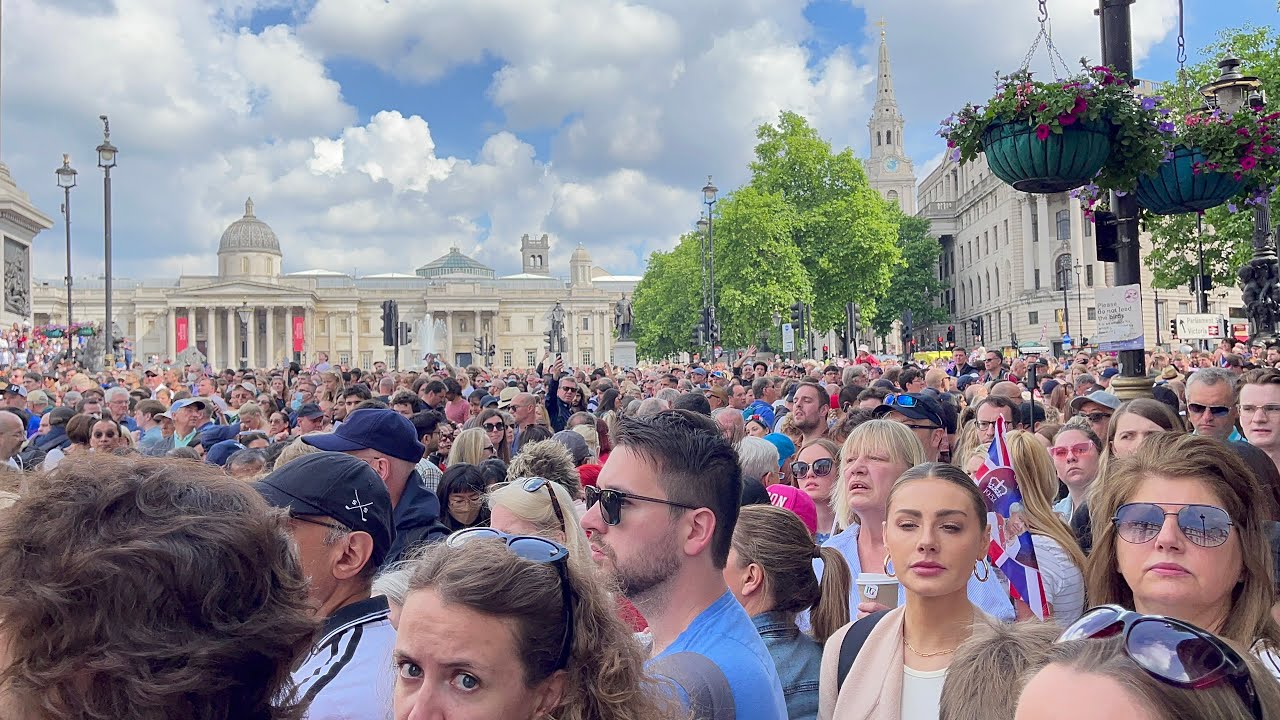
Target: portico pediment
<point>241,291</point>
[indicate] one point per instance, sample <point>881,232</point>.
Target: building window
<point>1063,220</point>
<point>345,325</point>
<point>1037,278</point>
<point>879,138</point>
<point>344,358</point>
<point>1088,224</point>
<point>506,358</point>
<point>586,356</point>
<point>892,196</point>
<point>1033,318</point>
<point>506,326</point>
<point>1035,222</point>
<point>1088,275</point>
<point>1006,230</point>
<point>888,137</point>
<point>366,326</point>
<point>244,265</point>
<point>366,360</point>
<point>1062,272</point>
<point>586,323</point>
<point>530,356</point>
<point>1184,306</point>
<point>530,324</point>
<point>462,325</point>
<point>986,242</point>
<point>1091,313</point>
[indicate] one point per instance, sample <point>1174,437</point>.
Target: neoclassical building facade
<point>253,313</point>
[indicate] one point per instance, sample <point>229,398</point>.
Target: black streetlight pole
<point>106,161</point>
<point>1065,280</point>
<point>66,180</point>
<point>1079,306</point>
<point>1117,51</point>
<point>706,225</point>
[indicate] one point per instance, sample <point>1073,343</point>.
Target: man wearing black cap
<point>340,521</point>
<point>310,419</point>
<point>923,415</point>
<point>388,443</point>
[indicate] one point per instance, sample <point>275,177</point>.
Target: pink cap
<point>798,502</point>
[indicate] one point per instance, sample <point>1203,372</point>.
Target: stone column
<point>1028,248</point>
<point>253,338</point>
<point>479,333</point>
<point>171,333</point>
<point>353,324</point>
<point>446,353</point>
<point>191,327</point>
<point>211,331</point>
<point>330,319</point>
<point>1046,241</point>
<point>271,337</point>
<point>233,335</point>
<point>308,333</point>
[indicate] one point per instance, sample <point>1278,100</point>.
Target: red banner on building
<point>183,338</point>
<point>298,333</point>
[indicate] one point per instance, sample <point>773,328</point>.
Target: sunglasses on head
<point>1204,525</point>
<point>611,502</point>
<point>1216,410</point>
<point>1171,651</point>
<point>533,485</point>
<point>821,467</point>
<point>534,549</point>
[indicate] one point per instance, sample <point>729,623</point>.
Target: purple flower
<point>1168,156</point>
<point>1165,127</point>
<point>1231,208</point>
<point>1164,112</point>
<point>955,155</point>
<point>1121,193</point>
<point>1148,103</point>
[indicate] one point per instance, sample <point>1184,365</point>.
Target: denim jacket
<point>798,659</point>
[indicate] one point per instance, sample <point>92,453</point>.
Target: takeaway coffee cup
<point>877,588</point>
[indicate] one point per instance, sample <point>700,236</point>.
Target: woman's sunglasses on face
<point>1204,525</point>
<point>821,468</point>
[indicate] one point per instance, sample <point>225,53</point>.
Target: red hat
<point>798,502</point>
<point>587,474</point>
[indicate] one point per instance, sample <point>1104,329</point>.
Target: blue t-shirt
<point>725,635</point>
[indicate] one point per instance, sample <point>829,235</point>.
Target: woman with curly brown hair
<point>554,644</point>
<point>148,589</point>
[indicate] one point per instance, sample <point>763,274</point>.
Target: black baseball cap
<point>386,431</point>
<point>925,408</point>
<point>310,410</point>
<point>337,486</point>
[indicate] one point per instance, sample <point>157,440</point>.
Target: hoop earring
<point>885,566</point>
<point>986,567</point>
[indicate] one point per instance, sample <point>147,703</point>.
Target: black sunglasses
<point>1173,652</point>
<point>494,426</point>
<point>1217,410</point>
<point>1204,525</point>
<point>533,485</point>
<point>611,502</point>
<point>535,549</point>
<point>821,467</point>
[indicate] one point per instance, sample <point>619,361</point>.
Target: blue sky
<point>376,134</point>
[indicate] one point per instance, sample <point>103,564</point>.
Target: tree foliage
<point>915,285</point>
<point>1228,235</point>
<point>667,299</point>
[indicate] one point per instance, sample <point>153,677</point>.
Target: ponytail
<point>831,611</point>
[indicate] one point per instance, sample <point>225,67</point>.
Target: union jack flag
<point>1010,548</point>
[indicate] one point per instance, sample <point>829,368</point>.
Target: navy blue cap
<point>310,410</point>
<point>337,486</point>
<point>219,452</point>
<point>386,431</point>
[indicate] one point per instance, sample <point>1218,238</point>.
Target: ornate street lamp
<point>106,161</point>
<point>246,316</point>
<point>1235,92</point>
<point>66,180</point>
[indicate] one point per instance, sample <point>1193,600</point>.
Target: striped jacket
<point>349,674</point>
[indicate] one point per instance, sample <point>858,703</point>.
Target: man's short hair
<point>908,376</point>
<point>406,397</point>
<point>694,464</point>
<point>185,553</point>
<point>1211,376</point>
<point>1260,376</point>
<point>693,401</point>
<point>1001,402</point>
<point>824,397</point>
<point>756,456</point>
<point>425,422</point>
<point>358,390</point>
<point>762,383</point>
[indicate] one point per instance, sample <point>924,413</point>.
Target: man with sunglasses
<point>340,522</point>
<point>560,396</point>
<point>1097,407</point>
<point>660,520</point>
<point>1213,409</point>
<point>923,415</point>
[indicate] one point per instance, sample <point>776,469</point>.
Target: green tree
<point>844,230</point>
<point>759,269</point>
<point>915,285</point>
<point>667,299</point>
<point>1228,236</point>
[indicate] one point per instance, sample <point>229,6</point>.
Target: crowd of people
<point>758,538</point>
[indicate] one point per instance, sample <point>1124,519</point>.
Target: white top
<point>1268,657</point>
<point>349,674</point>
<point>922,693</point>
<point>1063,581</point>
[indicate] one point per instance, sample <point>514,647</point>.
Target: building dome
<point>455,264</point>
<point>580,255</point>
<point>249,234</point>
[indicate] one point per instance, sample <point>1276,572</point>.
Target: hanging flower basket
<point>54,332</point>
<point>86,331</point>
<point>1037,162</point>
<point>1182,186</point>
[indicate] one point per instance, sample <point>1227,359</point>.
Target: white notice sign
<point>788,338</point>
<point>1119,318</point>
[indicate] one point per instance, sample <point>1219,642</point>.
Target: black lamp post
<point>66,180</point>
<point>246,317</point>
<point>705,225</point>
<point>106,161</point>
<point>1235,92</point>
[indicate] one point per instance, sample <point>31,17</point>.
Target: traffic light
<point>714,331</point>
<point>390,319</point>
<point>951,334</point>
<point>1173,328</point>
<point>493,350</point>
<point>939,342</point>
<point>857,316</point>
<point>1106,236</point>
<point>406,333</point>
<point>797,313</point>
<point>550,340</point>
<point>478,344</point>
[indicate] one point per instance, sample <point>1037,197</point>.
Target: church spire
<point>884,76</point>
<point>889,169</point>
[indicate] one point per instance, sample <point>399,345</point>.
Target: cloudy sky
<point>375,134</point>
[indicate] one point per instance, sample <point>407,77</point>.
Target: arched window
<point>878,138</point>
<point>997,282</point>
<point>892,196</point>
<point>1063,221</point>
<point>1062,272</point>
<point>888,137</point>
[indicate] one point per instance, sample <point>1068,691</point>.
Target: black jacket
<point>558,411</point>
<point>417,519</point>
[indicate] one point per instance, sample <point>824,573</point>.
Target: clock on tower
<point>891,164</point>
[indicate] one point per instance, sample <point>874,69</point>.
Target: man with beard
<point>660,520</point>
<point>809,414</point>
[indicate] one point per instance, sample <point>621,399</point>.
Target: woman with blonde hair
<point>471,446</point>
<point>554,644</point>
<point>331,386</point>
<point>816,470</point>
<point>874,456</point>
<point>1186,535</point>
<point>770,572</point>
<point>538,506</point>
<point>1061,562</point>
<point>251,417</point>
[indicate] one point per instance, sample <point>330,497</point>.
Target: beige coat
<point>873,688</point>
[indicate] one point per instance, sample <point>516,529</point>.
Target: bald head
<point>1007,389</point>
<point>12,434</point>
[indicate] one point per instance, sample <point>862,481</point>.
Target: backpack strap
<point>703,682</point>
<point>852,644</point>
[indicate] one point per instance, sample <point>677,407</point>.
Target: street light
<point>709,199</point>
<point>246,315</point>
<point>1233,92</point>
<point>106,161</point>
<point>1079,306</point>
<point>66,180</point>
